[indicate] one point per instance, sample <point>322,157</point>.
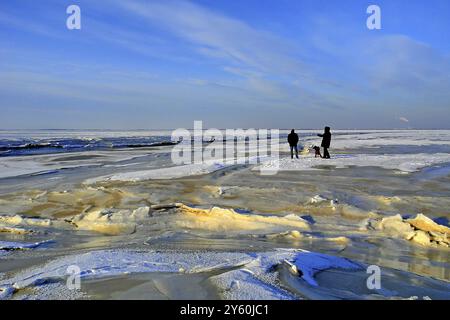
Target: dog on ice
<point>317,152</point>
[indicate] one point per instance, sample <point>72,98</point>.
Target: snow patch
<point>310,263</point>
<point>163,173</point>
<point>405,162</point>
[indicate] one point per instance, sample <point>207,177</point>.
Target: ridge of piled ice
<point>227,219</point>
<point>12,245</point>
<point>420,229</point>
<point>124,221</point>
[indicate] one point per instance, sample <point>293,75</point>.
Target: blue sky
<point>253,63</point>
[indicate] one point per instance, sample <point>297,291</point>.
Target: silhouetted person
<point>293,141</point>
<point>326,140</point>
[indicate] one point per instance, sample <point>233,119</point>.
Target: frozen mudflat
<point>138,227</point>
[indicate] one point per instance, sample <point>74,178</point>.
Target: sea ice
<point>106,221</point>
<point>219,219</point>
<point>243,285</point>
<point>310,263</point>
<point>405,162</point>
<point>420,229</point>
<point>241,275</point>
<point>10,245</point>
<point>163,173</point>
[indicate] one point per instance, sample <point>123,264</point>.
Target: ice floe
<point>310,263</point>
<point>15,223</point>
<point>219,219</point>
<point>110,222</point>
<point>15,230</point>
<point>420,229</point>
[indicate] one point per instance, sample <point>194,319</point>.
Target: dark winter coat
<point>293,139</point>
<point>326,138</point>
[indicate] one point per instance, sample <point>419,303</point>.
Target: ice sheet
<point>252,276</point>
<point>404,163</point>
<point>40,164</point>
<point>164,173</point>
<point>354,139</point>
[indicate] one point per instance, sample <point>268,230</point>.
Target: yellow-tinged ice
<point>219,219</point>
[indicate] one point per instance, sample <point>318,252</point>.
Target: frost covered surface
<point>163,173</point>
<point>252,276</point>
<point>41,164</point>
<point>243,285</point>
<point>6,292</point>
<point>404,163</point>
<point>256,281</point>
<point>310,263</point>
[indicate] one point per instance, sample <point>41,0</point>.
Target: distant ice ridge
<point>403,162</point>
<point>11,245</point>
<point>40,164</point>
<point>243,275</point>
<point>167,173</point>
<point>79,134</point>
<point>162,173</point>
<point>7,246</point>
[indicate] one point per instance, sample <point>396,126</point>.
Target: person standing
<point>326,141</point>
<point>293,141</point>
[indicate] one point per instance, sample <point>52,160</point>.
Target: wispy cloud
<point>215,35</point>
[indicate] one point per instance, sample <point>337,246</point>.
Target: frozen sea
<point>113,203</point>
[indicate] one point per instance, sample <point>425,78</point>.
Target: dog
<point>317,152</point>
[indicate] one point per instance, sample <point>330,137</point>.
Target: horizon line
<point>161,129</point>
